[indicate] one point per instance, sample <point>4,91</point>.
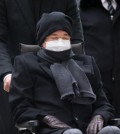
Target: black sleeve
<point>21,94</point>
<point>5,62</point>
<point>101,106</point>
<point>73,12</point>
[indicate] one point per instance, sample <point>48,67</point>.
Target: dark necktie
<point>110,7</point>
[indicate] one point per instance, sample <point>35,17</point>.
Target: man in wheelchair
<point>61,90</point>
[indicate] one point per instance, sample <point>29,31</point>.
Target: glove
<point>53,122</point>
<point>95,125</point>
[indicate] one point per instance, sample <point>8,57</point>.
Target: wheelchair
<point>31,127</point>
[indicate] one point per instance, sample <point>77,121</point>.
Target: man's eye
<point>54,38</point>
<point>66,38</point>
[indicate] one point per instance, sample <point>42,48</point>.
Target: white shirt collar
<point>105,4</point>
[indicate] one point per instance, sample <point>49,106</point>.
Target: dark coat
<point>17,25</point>
<point>102,40</point>
<point>34,94</point>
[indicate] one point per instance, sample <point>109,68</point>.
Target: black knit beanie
<point>52,22</point>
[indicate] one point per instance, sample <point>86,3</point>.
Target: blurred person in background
<point>18,19</point>
<point>101,26</point>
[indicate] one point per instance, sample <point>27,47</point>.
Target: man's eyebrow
<point>66,34</point>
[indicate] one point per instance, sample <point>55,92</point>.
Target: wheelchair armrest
<point>115,122</point>
<point>28,125</point>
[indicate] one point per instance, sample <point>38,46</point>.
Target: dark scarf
<point>72,83</point>
<point>53,57</point>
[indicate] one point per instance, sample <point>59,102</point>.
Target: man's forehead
<point>59,32</point>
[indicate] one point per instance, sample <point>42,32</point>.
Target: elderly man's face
<point>55,36</point>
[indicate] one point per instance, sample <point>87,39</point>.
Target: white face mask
<point>58,45</point>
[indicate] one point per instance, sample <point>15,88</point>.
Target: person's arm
<point>101,106</point>
<point>21,93</point>
<point>5,61</point>
<point>102,110</point>
<point>73,12</point>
